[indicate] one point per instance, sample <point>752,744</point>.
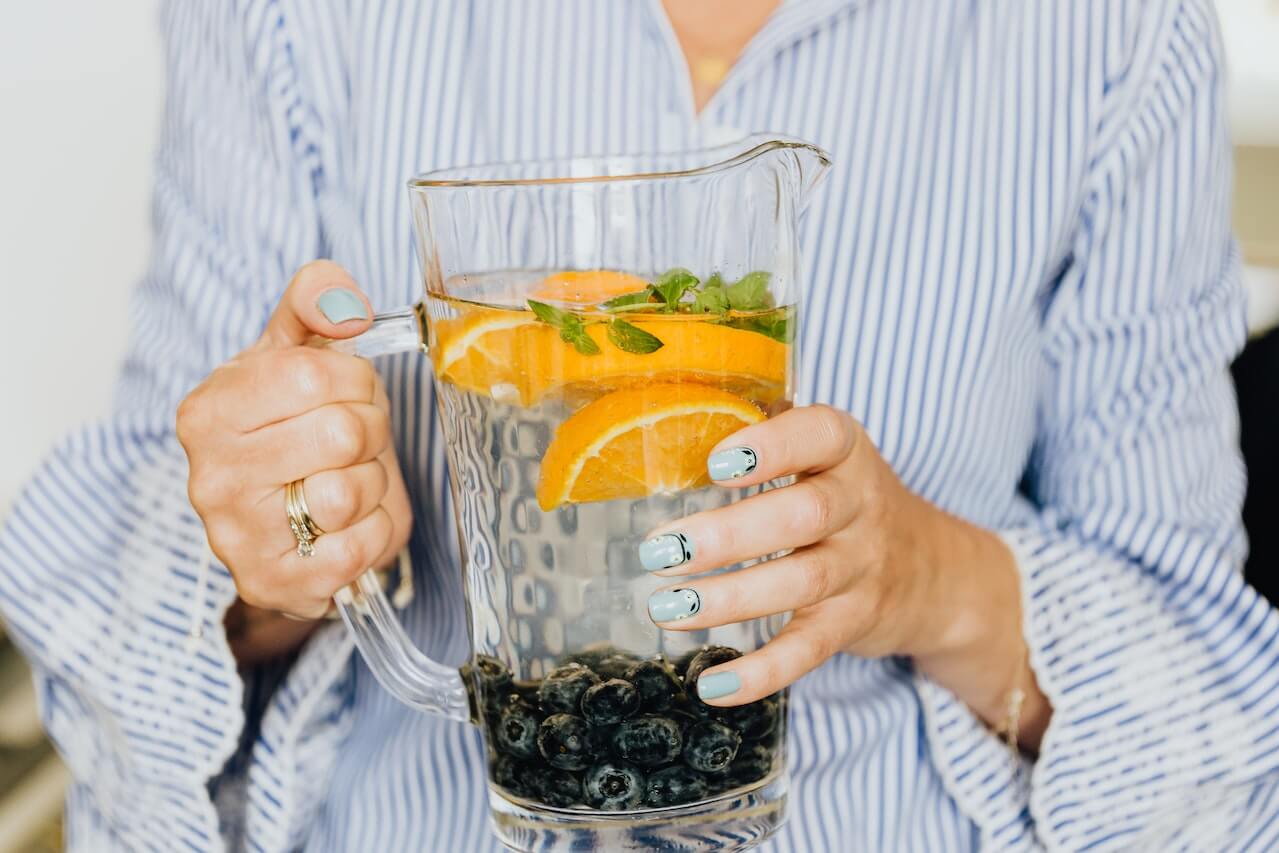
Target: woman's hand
<point>875,571</point>
<point>284,411</point>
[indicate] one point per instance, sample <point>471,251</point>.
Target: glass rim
<point>756,145</point>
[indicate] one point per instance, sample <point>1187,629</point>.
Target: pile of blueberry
<point>608,730</point>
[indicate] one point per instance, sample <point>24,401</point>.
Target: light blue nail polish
<point>673,604</point>
<point>717,685</point>
<point>665,552</point>
<point>732,463</point>
<point>339,305</point>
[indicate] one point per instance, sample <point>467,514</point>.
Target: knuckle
<point>833,427</point>
<point>342,433</point>
<point>257,588</point>
<point>188,418</point>
<point>816,578</point>
<point>814,510</point>
<point>353,553</point>
<point>208,489</point>
<point>338,501</point>
<point>306,373</point>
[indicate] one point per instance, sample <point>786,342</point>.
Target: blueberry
<point>614,666</point>
<point>558,788</point>
<point>590,658</point>
<point>564,741</point>
<point>755,721</point>
<point>673,786</point>
<point>614,785</point>
<point>513,775</point>
<point>703,660</point>
<point>526,689</point>
<point>656,683</point>
<point>490,680</point>
<point>754,761</point>
<point>600,741</point>
<point>561,691</point>
<point>682,662</point>
<point>710,746</point>
<point>516,729</point>
<point>648,741</point>
<point>609,702</point>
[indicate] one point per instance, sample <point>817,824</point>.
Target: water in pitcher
<point>579,409</point>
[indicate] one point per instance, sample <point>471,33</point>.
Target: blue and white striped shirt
<point>1019,277</point>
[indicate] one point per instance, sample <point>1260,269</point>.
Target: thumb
<point>322,299</point>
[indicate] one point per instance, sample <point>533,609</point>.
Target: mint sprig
<point>631,338</point>
<point>572,328</point>
<point>749,295</point>
<point>750,292</point>
<point>671,286</point>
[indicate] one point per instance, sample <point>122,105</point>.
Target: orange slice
<point>509,355</point>
<point>740,361</point>
<point>587,287</point>
<point>484,350</point>
<point>641,441</point>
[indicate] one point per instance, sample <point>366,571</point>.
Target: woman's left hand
<point>876,570</point>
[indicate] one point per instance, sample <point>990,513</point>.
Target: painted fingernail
<point>665,552</point>
<point>339,305</point>
<point>717,685</point>
<point>673,604</point>
<point>731,464</point>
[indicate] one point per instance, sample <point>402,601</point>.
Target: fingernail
<point>717,685</point>
<point>339,305</point>
<point>665,552</point>
<point>731,464</point>
<point>673,604</point>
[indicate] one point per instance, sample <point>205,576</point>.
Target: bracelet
<point>1009,729</point>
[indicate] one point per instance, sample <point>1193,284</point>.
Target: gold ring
<point>304,528</point>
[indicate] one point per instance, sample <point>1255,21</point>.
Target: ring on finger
<point>304,528</point>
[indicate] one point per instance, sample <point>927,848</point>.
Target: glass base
<point>738,820</point>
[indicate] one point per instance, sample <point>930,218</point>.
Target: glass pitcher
<point>595,327</point>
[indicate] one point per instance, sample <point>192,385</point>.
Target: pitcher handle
<point>396,663</point>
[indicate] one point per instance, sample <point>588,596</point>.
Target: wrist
<point>970,637</point>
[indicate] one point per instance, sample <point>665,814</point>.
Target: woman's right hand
<point>284,411</point>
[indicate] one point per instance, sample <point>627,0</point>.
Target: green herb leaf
<point>549,313</point>
<point>775,324</point>
<point>750,292</point>
<point>713,280</point>
<point>670,286</point>
<point>629,301</point>
<point>711,300</point>
<point>575,333</point>
<point>572,329</point>
<point>632,338</point>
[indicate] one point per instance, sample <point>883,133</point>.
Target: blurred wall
<point>80,87</point>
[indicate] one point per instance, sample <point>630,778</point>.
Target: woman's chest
<point>925,256</point>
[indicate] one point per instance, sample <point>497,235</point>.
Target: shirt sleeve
<point>1161,664</point>
<point>103,580</point>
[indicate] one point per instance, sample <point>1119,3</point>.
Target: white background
<point>80,86</point>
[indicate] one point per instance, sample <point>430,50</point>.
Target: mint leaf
<point>711,300</point>
<point>670,286</point>
<point>632,338</point>
<point>549,313</point>
<point>629,301</point>
<point>572,329</point>
<point>775,324</point>
<point>750,292</point>
<point>713,280</point>
<point>575,333</point>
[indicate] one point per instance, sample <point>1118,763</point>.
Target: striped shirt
<point>1019,277</point>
